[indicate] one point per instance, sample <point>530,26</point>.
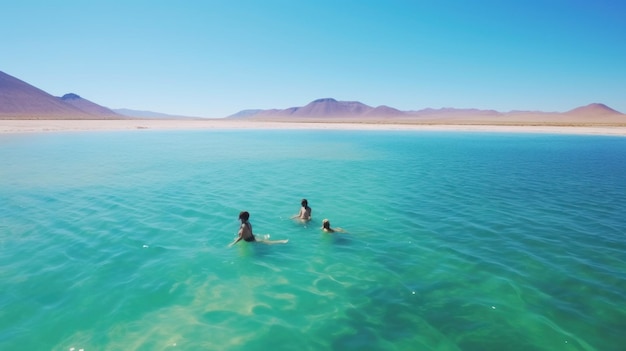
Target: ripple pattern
<point>455,241</point>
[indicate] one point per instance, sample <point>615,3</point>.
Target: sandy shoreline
<point>47,126</point>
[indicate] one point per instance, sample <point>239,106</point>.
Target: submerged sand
<point>40,126</point>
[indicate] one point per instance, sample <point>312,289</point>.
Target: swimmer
<point>326,227</point>
<point>305,211</point>
<point>245,232</point>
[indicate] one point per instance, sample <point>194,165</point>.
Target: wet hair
<point>304,203</point>
<point>326,224</point>
<point>244,215</point>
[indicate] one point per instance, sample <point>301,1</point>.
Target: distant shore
<point>47,126</point>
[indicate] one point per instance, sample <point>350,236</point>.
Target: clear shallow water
<point>117,241</point>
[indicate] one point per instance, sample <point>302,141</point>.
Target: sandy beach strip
<point>47,126</point>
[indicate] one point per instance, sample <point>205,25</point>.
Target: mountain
<point>86,105</point>
<point>331,109</point>
<point>245,113</point>
<point>323,108</point>
<point>20,100</point>
<point>384,111</point>
<point>594,109</point>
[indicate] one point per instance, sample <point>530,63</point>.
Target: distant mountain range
<point>328,108</point>
<point>20,100</point>
<point>149,114</point>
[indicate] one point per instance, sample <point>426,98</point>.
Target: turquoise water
<point>456,241</point>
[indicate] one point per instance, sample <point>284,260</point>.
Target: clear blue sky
<point>215,58</point>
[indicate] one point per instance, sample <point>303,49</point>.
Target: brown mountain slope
<point>594,109</point>
<point>86,105</point>
<point>20,100</point>
<point>383,111</point>
<point>324,108</point>
<point>330,107</point>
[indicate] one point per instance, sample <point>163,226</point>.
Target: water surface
<point>456,241</point>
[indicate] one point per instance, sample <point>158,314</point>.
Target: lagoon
<point>456,241</point>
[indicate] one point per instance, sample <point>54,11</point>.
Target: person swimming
<point>305,211</point>
<point>245,232</point>
<point>326,227</point>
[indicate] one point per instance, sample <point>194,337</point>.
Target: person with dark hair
<point>245,232</point>
<point>305,211</point>
<point>326,227</point>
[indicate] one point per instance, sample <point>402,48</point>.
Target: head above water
<point>244,215</point>
<point>326,224</point>
<point>304,203</point>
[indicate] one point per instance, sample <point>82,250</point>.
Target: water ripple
<point>454,241</point>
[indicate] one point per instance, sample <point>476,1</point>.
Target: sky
<point>216,58</point>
